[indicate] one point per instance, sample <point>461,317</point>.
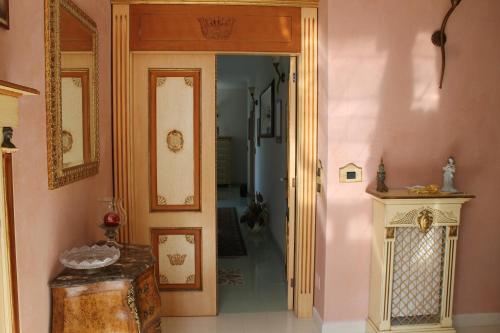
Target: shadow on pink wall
<point>383,99</point>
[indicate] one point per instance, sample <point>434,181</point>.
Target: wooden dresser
<point>120,298</point>
<point>224,160</point>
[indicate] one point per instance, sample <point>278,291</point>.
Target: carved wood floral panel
<point>174,138</point>
<point>179,258</point>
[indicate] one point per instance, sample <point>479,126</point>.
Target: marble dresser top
<point>134,260</point>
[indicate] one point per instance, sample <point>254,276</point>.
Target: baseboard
<point>344,327</point>
<point>338,326</point>
<point>317,319</point>
<point>476,321</point>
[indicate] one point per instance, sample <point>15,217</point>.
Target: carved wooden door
<point>173,172</point>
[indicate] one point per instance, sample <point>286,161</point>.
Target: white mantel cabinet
<point>413,261</point>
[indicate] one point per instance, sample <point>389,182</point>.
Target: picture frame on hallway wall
<point>267,111</point>
<point>4,14</point>
<point>278,120</point>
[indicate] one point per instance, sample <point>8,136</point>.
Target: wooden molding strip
<point>306,164</point>
<point>121,119</point>
<point>285,3</point>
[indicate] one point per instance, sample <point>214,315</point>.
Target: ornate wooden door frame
<point>307,109</point>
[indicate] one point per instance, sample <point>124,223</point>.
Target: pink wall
<point>47,222</point>
<point>382,99</point>
<point>322,204</point>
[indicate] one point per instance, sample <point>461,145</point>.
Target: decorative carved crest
<point>162,201</point>
<point>424,220</point>
<point>161,81</point>
<point>412,217</point>
<point>77,82</point>
<point>190,279</point>
<point>177,259</point>
<point>189,200</point>
<point>190,239</point>
<point>188,81</point>
<point>216,27</point>
<point>175,141</point>
<point>389,233</point>
<point>453,231</point>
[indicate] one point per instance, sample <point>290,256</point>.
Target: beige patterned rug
<point>230,277</point>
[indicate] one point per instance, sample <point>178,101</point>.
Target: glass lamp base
<point>111,233</point>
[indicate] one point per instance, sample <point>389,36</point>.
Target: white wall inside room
<point>235,75</point>
<point>270,159</point>
<point>232,122</point>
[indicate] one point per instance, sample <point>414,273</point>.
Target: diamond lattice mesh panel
<point>418,276</point>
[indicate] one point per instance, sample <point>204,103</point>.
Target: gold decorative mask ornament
<point>425,219</point>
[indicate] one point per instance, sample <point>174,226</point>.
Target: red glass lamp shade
<point>111,219</point>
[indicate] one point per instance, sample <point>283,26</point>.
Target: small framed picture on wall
<point>267,111</point>
<point>4,14</point>
<point>278,120</point>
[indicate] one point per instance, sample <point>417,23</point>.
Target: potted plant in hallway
<point>256,216</point>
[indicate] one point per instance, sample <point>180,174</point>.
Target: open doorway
<point>252,186</point>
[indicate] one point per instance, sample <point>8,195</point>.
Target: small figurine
<point>8,133</point>
<point>448,175</point>
<point>381,187</point>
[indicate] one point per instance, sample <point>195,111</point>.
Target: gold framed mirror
<point>72,76</point>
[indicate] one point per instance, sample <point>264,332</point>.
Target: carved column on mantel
<point>9,118</point>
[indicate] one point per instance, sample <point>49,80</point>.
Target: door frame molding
<point>307,115</point>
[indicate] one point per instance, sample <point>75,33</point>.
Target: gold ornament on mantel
<point>424,220</point>
<point>427,189</point>
<point>175,141</point>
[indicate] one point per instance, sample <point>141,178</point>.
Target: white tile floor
<point>263,322</point>
<point>270,322</point>
<point>263,269</point>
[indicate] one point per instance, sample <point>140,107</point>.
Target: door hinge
<point>292,282</point>
<point>294,76</point>
<point>319,170</point>
<point>293,182</point>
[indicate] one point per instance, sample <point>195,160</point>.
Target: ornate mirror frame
<point>57,175</point>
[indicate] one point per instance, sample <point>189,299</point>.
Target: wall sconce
<point>281,76</point>
<point>439,38</point>
<point>251,90</point>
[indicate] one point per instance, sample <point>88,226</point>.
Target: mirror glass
<point>72,104</point>
<point>77,99</point>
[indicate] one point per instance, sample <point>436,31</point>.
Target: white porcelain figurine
<point>448,175</point>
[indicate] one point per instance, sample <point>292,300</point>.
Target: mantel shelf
<point>9,102</point>
<point>405,194</point>
<point>9,88</point>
